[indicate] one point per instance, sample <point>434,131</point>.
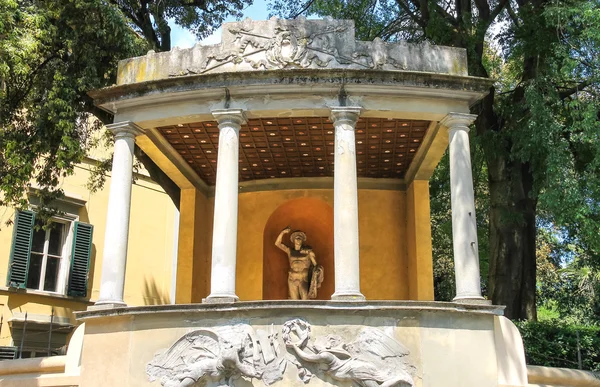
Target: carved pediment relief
<point>289,44</point>
<point>279,44</point>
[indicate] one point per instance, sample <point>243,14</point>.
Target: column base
<point>338,296</point>
<point>107,305</point>
<point>224,299</point>
<point>472,300</point>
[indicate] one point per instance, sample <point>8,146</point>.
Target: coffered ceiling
<point>300,147</point>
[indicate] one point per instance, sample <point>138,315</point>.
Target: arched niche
<point>315,218</point>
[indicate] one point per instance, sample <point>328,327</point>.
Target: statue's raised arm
<point>279,242</point>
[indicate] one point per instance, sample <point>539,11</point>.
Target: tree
<point>50,57</point>
<point>150,18</point>
<point>52,53</point>
<point>538,126</point>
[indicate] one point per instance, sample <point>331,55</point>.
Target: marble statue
<point>373,359</point>
<point>304,275</point>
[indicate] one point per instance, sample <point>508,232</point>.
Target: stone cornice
<point>295,307</point>
<point>306,81</point>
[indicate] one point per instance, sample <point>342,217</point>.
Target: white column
<point>345,206</point>
<point>222,282</point>
<point>117,218</point>
<point>464,226</point>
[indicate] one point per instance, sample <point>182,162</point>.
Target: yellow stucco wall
<point>150,251</point>
<point>194,250</point>
<point>383,240</point>
<point>420,264</point>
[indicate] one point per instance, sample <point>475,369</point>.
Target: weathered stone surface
<point>320,344</point>
<point>277,44</point>
<point>223,354</point>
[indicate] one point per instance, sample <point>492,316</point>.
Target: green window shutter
<point>80,259</point>
<point>21,249</point>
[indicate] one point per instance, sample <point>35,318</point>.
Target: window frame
<point>68,222</point>
<point>76,255</point>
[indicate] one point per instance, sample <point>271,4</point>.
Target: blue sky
<point>185,39</point>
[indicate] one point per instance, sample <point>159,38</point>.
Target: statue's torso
<point>300,261</point>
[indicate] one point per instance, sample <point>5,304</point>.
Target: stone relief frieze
<point>371,359</point>
<point>220,355</point>
<point>286,44</point>
<point>225,354</point>
<point>250,46</point>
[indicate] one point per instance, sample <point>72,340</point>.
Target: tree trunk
<point>512,267</point>
<point>511,215</point>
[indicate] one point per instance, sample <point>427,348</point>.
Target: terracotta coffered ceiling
<point>300,147</point>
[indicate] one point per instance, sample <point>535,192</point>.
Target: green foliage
<point>382,23</point>
<point>546,314</point>
<point>51,53</point>
<point>150,18</point>
<point>556,344</point>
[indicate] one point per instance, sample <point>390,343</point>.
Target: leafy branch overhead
<point>52,53</point>
<point>151,19</point>
<point>50,57</point>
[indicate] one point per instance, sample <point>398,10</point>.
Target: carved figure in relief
<point>304,275</point>
<point>372,360</point>
<point>222,354</point>
<point>376,55</point>
<point>204,354</point>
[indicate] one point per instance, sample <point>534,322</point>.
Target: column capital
<point>229,117</point>
<point>345,114</point>
<point>454,121</point>
<point>125,129</point>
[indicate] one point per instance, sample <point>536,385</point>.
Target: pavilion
<point>294,122</point>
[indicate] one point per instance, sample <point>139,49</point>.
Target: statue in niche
<point>373,359</point>
<point>304,275</point>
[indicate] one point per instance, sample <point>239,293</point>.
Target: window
<point>55,259</point>
<point>37,338</point>
<point>45,261</point>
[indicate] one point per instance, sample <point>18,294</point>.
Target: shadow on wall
<point>153,295</point>
<point>315,218</point>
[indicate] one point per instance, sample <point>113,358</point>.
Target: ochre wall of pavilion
<point>149,258</point>
<point>384,245</point>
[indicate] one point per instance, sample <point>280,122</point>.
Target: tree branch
<point>420,22</point>
<point>304,9</point>
<point>565,93</point>
<point>484,9</point>
<point>513,16</point>
<point>202,4</point>
<point>496,11</point>
<point>15,102</point>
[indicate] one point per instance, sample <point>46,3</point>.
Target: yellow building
<point>57,283</point>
